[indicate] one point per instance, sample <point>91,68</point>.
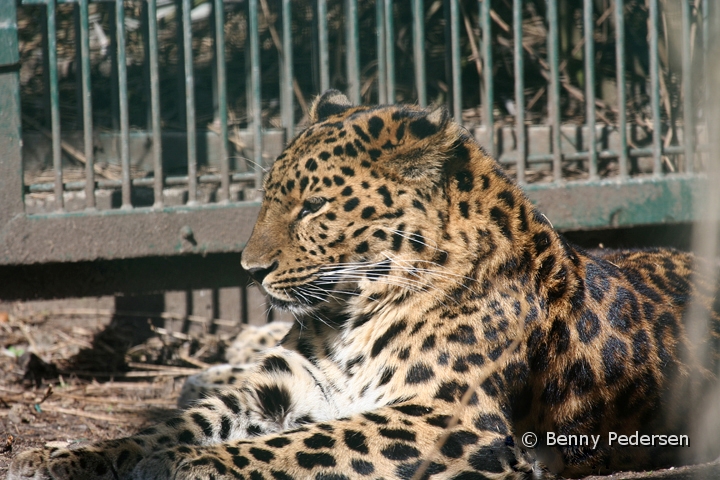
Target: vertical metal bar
<point>78,61</point>
<point>123,104</point>
<point>554,87</point>
<point>621,93</point>
<point>381,50</point>
<point>87,105</point>
<point>323,40</point>
<point>158,177</point>
<point>222,99</point>
<point>488,92</point>
<point>352,52</point>
<point>589,29</point>
<point>11,165</point>
<point>180,77</point>
<point>54,104</point>
<point>706,42</point>
<point>145,32</point>
<point>189,102</point>
<point>655,88</point>
<point>707,80</point>
<point>255,86</point>
<point>390,50</point>
<point>287,72</point>
<point>519,90</point>
<point>688,117</point>
<point>114,78</point>
<point>455,59</point>
<point>418,14</point>
<point>47,115</point>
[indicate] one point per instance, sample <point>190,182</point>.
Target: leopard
<point>439,320</point>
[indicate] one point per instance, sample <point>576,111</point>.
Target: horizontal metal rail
<point>142,182</point>
<point>113,234</point>
<point>119,233</point>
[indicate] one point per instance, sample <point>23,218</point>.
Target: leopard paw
<point>110,460</point>
<point>59,464</point>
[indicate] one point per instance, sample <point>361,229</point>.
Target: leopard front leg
<point>282,393</point>
<point>390,442</point>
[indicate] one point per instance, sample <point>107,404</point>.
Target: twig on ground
<point>194,361</point>
<point>171,372</point>
<point>114,400</point>
<point>82,413</point>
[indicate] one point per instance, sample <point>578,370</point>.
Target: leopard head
<point>358,204</point>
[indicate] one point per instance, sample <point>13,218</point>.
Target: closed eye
<point>311,205</point>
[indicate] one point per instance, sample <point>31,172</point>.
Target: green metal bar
<point>77,124</point>
<point>655,88</point>
<point>352,52</point>
<point>180,55</point>
<point>687,82</point>
<point>222,112</point>
<point>87,105</point>
<point>554,88</point>
<point>323,40</point>
<point>418,14</point>
<point>709,11</point>
<point>9,54</point>
<point>54,104</point>
<point>621,93</point>
<point>255,87</point>
<point>287,72</point>
<point>11,165</point>
<point>390,50</point>
<point>155,104</point>
<point>488,93</point>
<point>189,102</point>
<point>123,101</point>
<point>706,44</point>
<point>519,90</point>
<point>706,57</point>
<point>589,29</point>
<point>381,51</point>
<point>114,89</point>
<point>455,60</point>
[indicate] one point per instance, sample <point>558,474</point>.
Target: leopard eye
<point>311,205</point>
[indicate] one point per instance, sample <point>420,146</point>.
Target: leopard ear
<point>329,103</point>
<point>425,157</point>
<point>430,124</point>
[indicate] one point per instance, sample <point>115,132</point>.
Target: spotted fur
<point>242,355</point>
<point>416,268</point>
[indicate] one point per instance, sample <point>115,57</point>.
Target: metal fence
<point>71,191</point>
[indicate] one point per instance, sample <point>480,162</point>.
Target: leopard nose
<point>259,273</point>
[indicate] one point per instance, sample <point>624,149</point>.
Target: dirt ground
<point>84,374</point>
<point>96,375</point>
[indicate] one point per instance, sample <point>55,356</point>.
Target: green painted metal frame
<point>160,230</point>
<point>611,203</point>
<point>11,175</point>
<point>122,234</point>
